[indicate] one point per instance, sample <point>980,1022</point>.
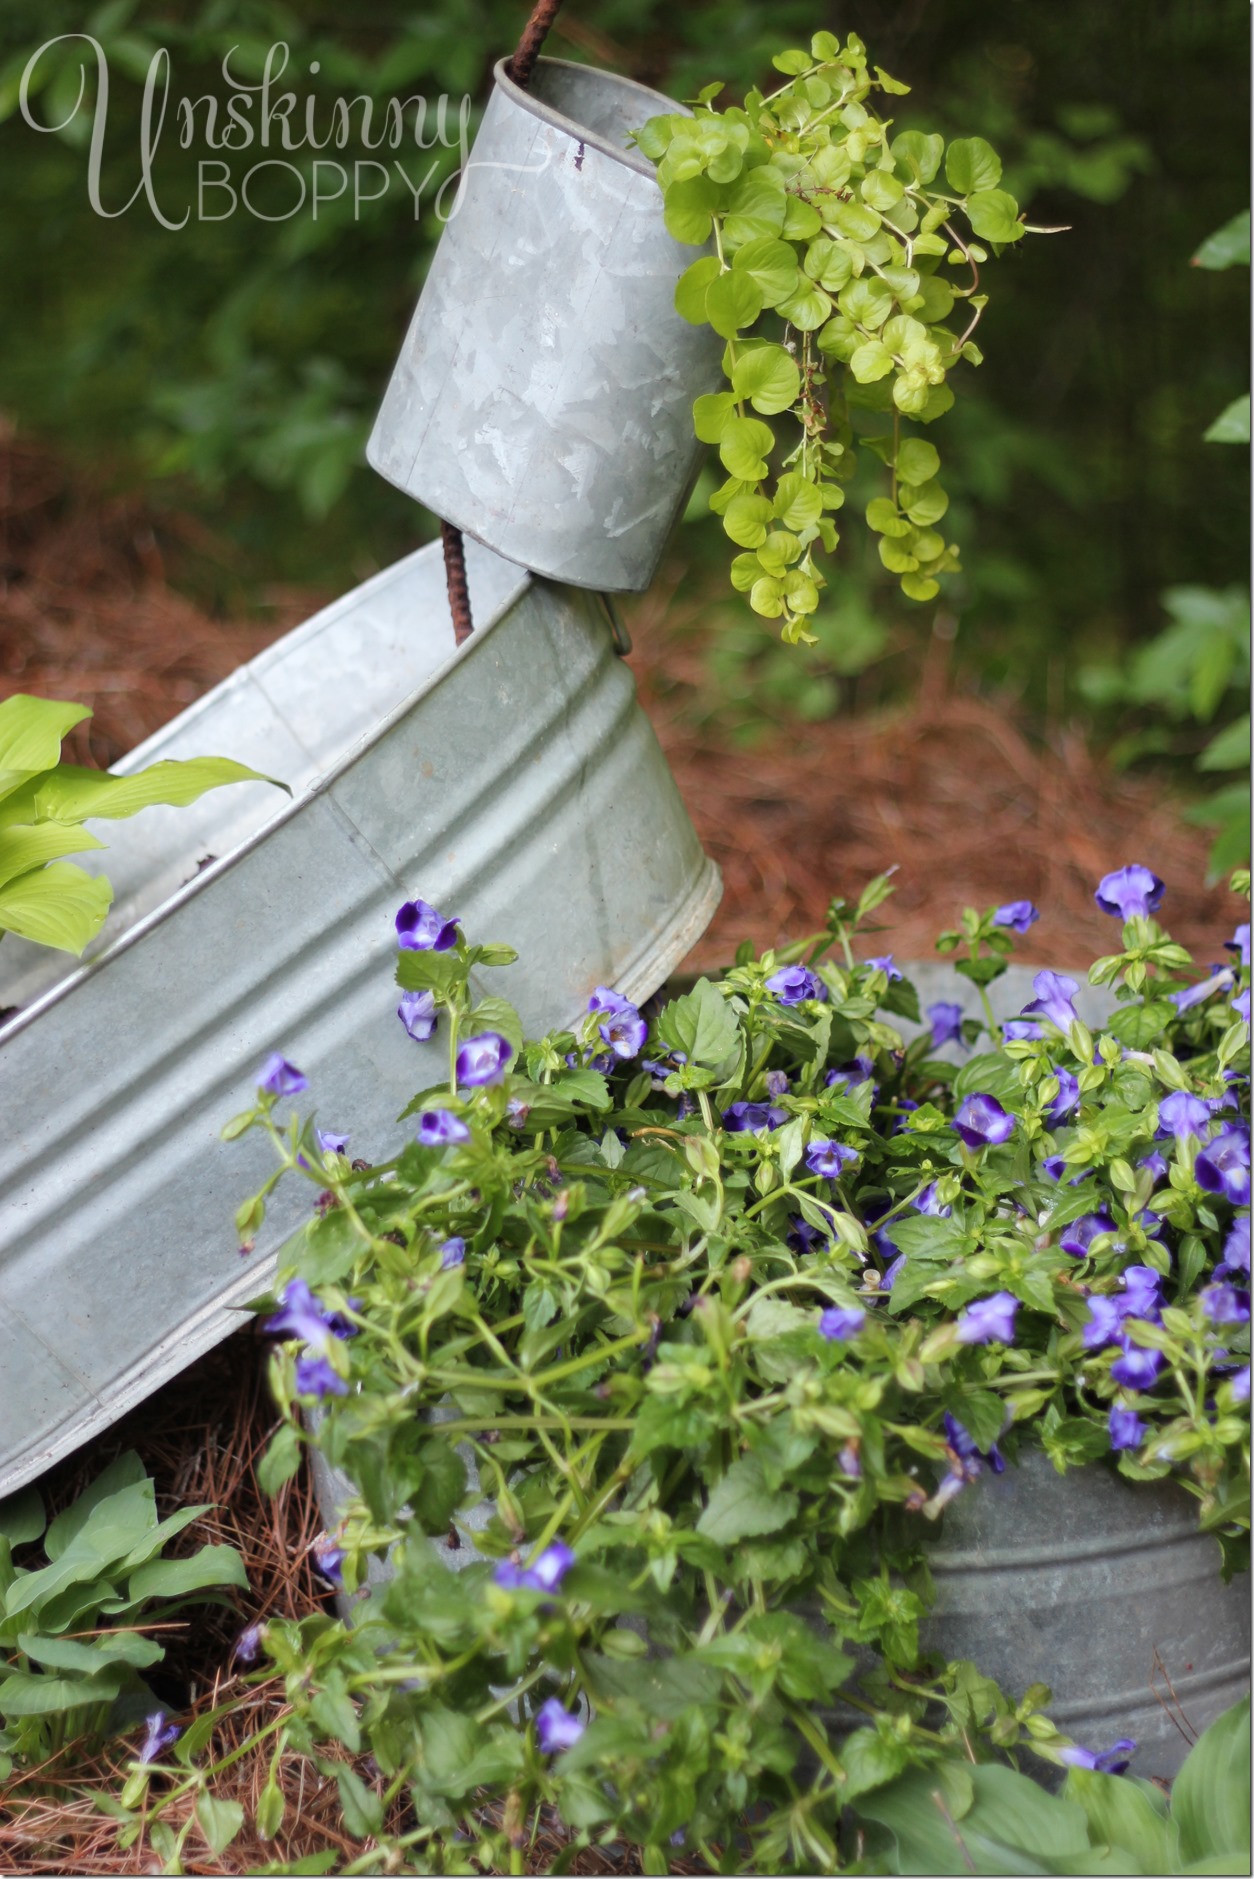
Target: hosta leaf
<point>60,905</point>
<point>26,846</point>
<point>72,794</point>
<point>31,730</point>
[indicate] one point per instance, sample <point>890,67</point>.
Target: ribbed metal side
<point>516,784</point>
<point>543,396</point>
<point>1102,1588</point>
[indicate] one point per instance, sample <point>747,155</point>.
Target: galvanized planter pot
<point>542,400</point>
<point>515,783</point>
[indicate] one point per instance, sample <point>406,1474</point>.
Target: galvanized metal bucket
<point>1102,1588</point>
<point>515,782</point>
<point>542,400</point>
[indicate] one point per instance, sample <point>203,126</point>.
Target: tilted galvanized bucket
<point>1102,1588</point>
<point>515,783</point>
<point>543,397</point>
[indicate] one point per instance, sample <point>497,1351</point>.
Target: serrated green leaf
<point>702,1025</point>
<point>741,1505</point>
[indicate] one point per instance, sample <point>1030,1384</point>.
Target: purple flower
<point>329,1143</point>
<point>1104,1324</point>
<point>890,1275</point>
<point>1112,1761</point>
<point>1018,915</point>
<point>925,1202</point>
<point>982,1122</point>
<point>1136,1369</point>
<point>438,1128</point>
<point>989,1320</point>
<point>247,1646</point>
<point>1017,1030</point>
<point>556,1728</point>
<point>1156,1164</point>
<point>1067,1099</point>
<point>416,1012</point>
<point>1126,1428</point>
<point>1241,1386</point>
<point>1080,1234</point>
<point>483,1059</point>
<point>841,1322</point>
<point>884,963</point>
<point>420,929</point>
<point>545,1575</point>
<point>792,985</point>
<point>829,1158</point>
<point>623,1029</point>
<point>452,1253</point>
<point>1195,994</point>
<point>1237,1247</point>
<point>1224,1304</point>
<point>1055,1166</point>
<point>803,1238</point>
<point>777,1083</point>
<point>302,1315</point>
<point>1240,943</point>
<point>849,1461</point>
<point>849,1075</point>
<point>161,1733</point>
<point>280,1077</point>
<point>316,1376</point>
<point>328,1562</point>
<point>1131,890</point>
<point>1223,1166</point>
<point>1054,993</point>
<point>1144,1289</point>
<point>1181,1116</point>
<point>946,1022</point>
<point>752,1118</point>
<point>968,1457</point>
<point>1241,1005</point>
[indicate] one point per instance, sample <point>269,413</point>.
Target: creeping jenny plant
<point>846,275</point>
<point>710,1310</point>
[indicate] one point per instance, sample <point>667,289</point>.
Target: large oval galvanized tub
<point>543,396</point>
<point>1102,1588</point>
<point>515,782</point>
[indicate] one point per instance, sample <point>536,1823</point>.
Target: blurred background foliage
<point>232,366</point>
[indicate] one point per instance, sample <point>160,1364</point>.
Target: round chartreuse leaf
<point>768,377</point>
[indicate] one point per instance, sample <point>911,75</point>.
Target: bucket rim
<point>631,159</point>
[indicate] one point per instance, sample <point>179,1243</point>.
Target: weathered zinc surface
<point>543,396</point>
<point>515,783</point>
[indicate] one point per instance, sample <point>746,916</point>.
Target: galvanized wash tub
<point>543,396</point>
<point>515,783</point>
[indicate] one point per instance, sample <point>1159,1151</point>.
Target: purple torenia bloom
<point>1104,1324</point>
<point>437,1128</point>
<point>848,1075</point>
<point>925,1202</point>
<point>161,1733</point>
<point>1240,943</point>
<point>1195,994</point>
<point>1019,1030</point>
<point>840,1322</point>
<point>315,1376</point>
<point>622,1027</point>
<point>1078,1236</point>
<point>792,985</point>
<point>1241,1005</point>
<point>1224,1304</point>
<point>946,1023</point>
<point>420,929</point>
<point>329,1143</point>
<point>982,1122</point>
<point>885,963</point>
<point>1018,915</point>
<point>452,1253</point>
<point>1055,1166</point>
<point>1237,1247</point>
<point>1054,993</point>
<point>545,1575</point>
<point>483,1059</point>
<point>849,1461</point>
<point>1126,1428</point>
<point>1144,1289</point>
<point>968,1459</point>
<point>556,1728</point>
<point>752,1118</point>
<point>1156,1164</point>
<point>1128,891</point>
<point>1112,1761</point>
<point>1223,1166</point>
<point>281,1078</point>
<point>328,1563</point>
<point>1067,1099</point>
<point>302,1315</point>
<point>803,1238</point>
<point>777,1083</point>
<point>416,1012</point>
<point>1241,1385</point>
<point>829,1158</point>
<point>890,1274</point>
<point>989,1320</point>
<point>247,1646</point>
<point>1182,1115</point>
<point>1137,1369</point>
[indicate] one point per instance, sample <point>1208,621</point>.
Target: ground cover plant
<point>710,1309</point>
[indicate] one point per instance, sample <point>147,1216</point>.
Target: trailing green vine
<point>830,282</point>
